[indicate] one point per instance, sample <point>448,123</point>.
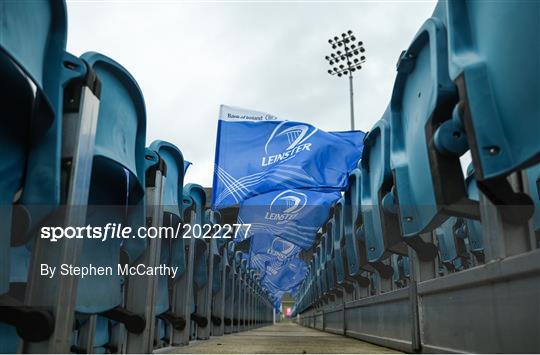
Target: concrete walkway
<point>282,338</point>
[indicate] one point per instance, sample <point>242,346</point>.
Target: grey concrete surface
<point>282,338</point>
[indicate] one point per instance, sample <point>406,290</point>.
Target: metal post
<point>59,294</point>
<point>352,101</point>
<point>204,295</point>
<point>183,294</point>
<point>142,289</point>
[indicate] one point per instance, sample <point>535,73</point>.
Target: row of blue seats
<point>464,84</point>
<point>73,137</point>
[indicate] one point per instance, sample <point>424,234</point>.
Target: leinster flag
<point>278,262</point>
<point>269,251</point>
<point>258,153</point>
<point>356,138</point>
<point>294,215</point>
<point>286,278</point>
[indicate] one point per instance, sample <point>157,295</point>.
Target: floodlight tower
<point>351,58</point>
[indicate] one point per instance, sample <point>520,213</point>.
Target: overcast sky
<point>190,57</point>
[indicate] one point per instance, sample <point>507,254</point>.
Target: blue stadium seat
<point>355,246</point>
<point>329,261</point>
<point>116,189</point>
<point>200,282</point>
<point>172,250</point>
<point>374,282</point>
<point>314,280</point>
<point>206,255</point>
<point>241,264</point>
<point>533,176</point>
<point>343,278</point>
<point>402,274</point>
<point>453,244</point>
<point>32,50</point>
<point>313,287</point>
<point>251,277</point>
<point>219,283</point>
<point>102,340</point>
<point>229,288</point>
<point>429,182</point>
<point>473,228</point>
<point>243,288</point>
<point>321,270</point>
<point>380,228</point>
<point>194,200</point>
<point>238,295</point>
<point>198,250</point>
<point>498,104</point>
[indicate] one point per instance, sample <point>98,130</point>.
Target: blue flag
<point>258,153</point>
<point>356,138</point>
<point>286,278</point>
<point>266,250</point>
<point>294,215</point>
<point>278,262</point>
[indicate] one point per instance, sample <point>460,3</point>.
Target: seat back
<point>401,275</point>
<point>321,267</point>
<point>194,196</point>
<point>329,261</point>
<point>352,221</point>
<point>201,247</point>
<point>493,71</point>
<point>173,189</point>
<point>172,250</point>
<point>117,181</point>
<point>314,279</point>
<point>380,225</point>
<point>32,49</point>
<point>230,294</point>
<point>340,260</point>
<point>220,284</point>
<point>200,271</point>
<point>429,182</point>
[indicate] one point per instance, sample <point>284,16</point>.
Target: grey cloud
<point>191,57</point>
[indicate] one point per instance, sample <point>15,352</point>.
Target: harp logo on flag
<point>286,142</point>
<point>281,248</point>
<point>286,206</point>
